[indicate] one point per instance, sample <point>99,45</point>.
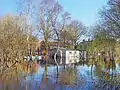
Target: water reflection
<point>91,76</point>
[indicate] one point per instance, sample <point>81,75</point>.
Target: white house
<point>72,56</point>
<point>66,56</point>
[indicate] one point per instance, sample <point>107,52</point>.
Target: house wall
<point>72,56</point>
<point>68,56</point>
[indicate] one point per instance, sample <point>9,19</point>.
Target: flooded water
<point>80,77</point>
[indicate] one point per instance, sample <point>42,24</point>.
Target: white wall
<point>72,56</point>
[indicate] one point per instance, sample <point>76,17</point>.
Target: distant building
<point>65,56</point>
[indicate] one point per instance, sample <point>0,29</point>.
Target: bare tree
<point>60,27</point>
<point>111,17</point>
<point>12,40</point>
<point>73,32</point>
<point>48,16</point>
<point>26,9</point>
<point>77,29</point>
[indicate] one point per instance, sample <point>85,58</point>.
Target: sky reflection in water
<point>82,77</point>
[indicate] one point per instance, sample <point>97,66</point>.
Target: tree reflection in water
<point>65,78</point>
<point>10,78</point>
<point>23,77</point>
<point>106,75</point>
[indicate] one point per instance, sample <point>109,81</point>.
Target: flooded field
<point>97,76</point>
